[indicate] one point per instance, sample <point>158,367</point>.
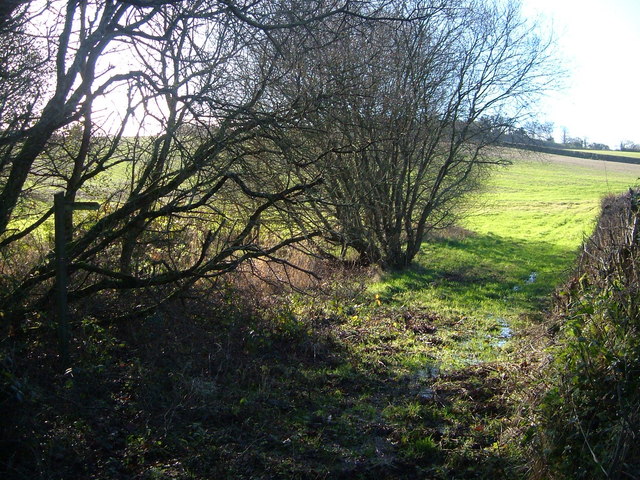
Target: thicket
<point>215,133</point>
<point>218,135</point>
<point>590,415</point>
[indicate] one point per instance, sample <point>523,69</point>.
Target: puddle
<point>533,276</point>
<point>429,373</point>
<point>481,346</point>
<point>505,333</point>
<point>427,394</point>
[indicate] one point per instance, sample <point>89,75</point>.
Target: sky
<point>599,44</point>
<point>599,41</point>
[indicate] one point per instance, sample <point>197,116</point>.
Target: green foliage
<point>421,447</point>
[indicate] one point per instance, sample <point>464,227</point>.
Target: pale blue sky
<point>600,40</point>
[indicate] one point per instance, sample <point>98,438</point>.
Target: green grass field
<point>520,242</point>
<point>458,319</point>
<point>497,277</point>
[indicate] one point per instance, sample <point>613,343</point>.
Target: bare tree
<point>629,146</point>
<point>183,198</point>
<point>260,124</point>
<point>400,147</point>
<point>8,10</point>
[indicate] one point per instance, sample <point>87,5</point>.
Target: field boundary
<point>573,153</point>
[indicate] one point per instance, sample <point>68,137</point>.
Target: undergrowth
<point>590,415</point>
<point>333,385</point>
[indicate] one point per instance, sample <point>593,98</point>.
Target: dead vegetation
<point>227,383</point>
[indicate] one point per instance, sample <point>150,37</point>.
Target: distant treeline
<point>573,153</point>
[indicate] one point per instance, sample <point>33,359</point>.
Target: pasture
<point>516,245</point>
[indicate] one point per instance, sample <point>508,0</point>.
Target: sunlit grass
<point>543,200</point>
<point>518,244</point>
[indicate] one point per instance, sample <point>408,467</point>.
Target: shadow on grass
<point>479,268</point>
<point>205,392</point>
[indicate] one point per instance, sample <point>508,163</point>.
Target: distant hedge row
<point>573,153</point>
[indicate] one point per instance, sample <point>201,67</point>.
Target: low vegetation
<point>426,373</point>
<point>590,415</point>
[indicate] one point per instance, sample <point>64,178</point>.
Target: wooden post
<point>61,277</point>
<point>60,206</point>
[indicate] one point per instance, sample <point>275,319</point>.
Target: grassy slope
<point>520,244</point>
